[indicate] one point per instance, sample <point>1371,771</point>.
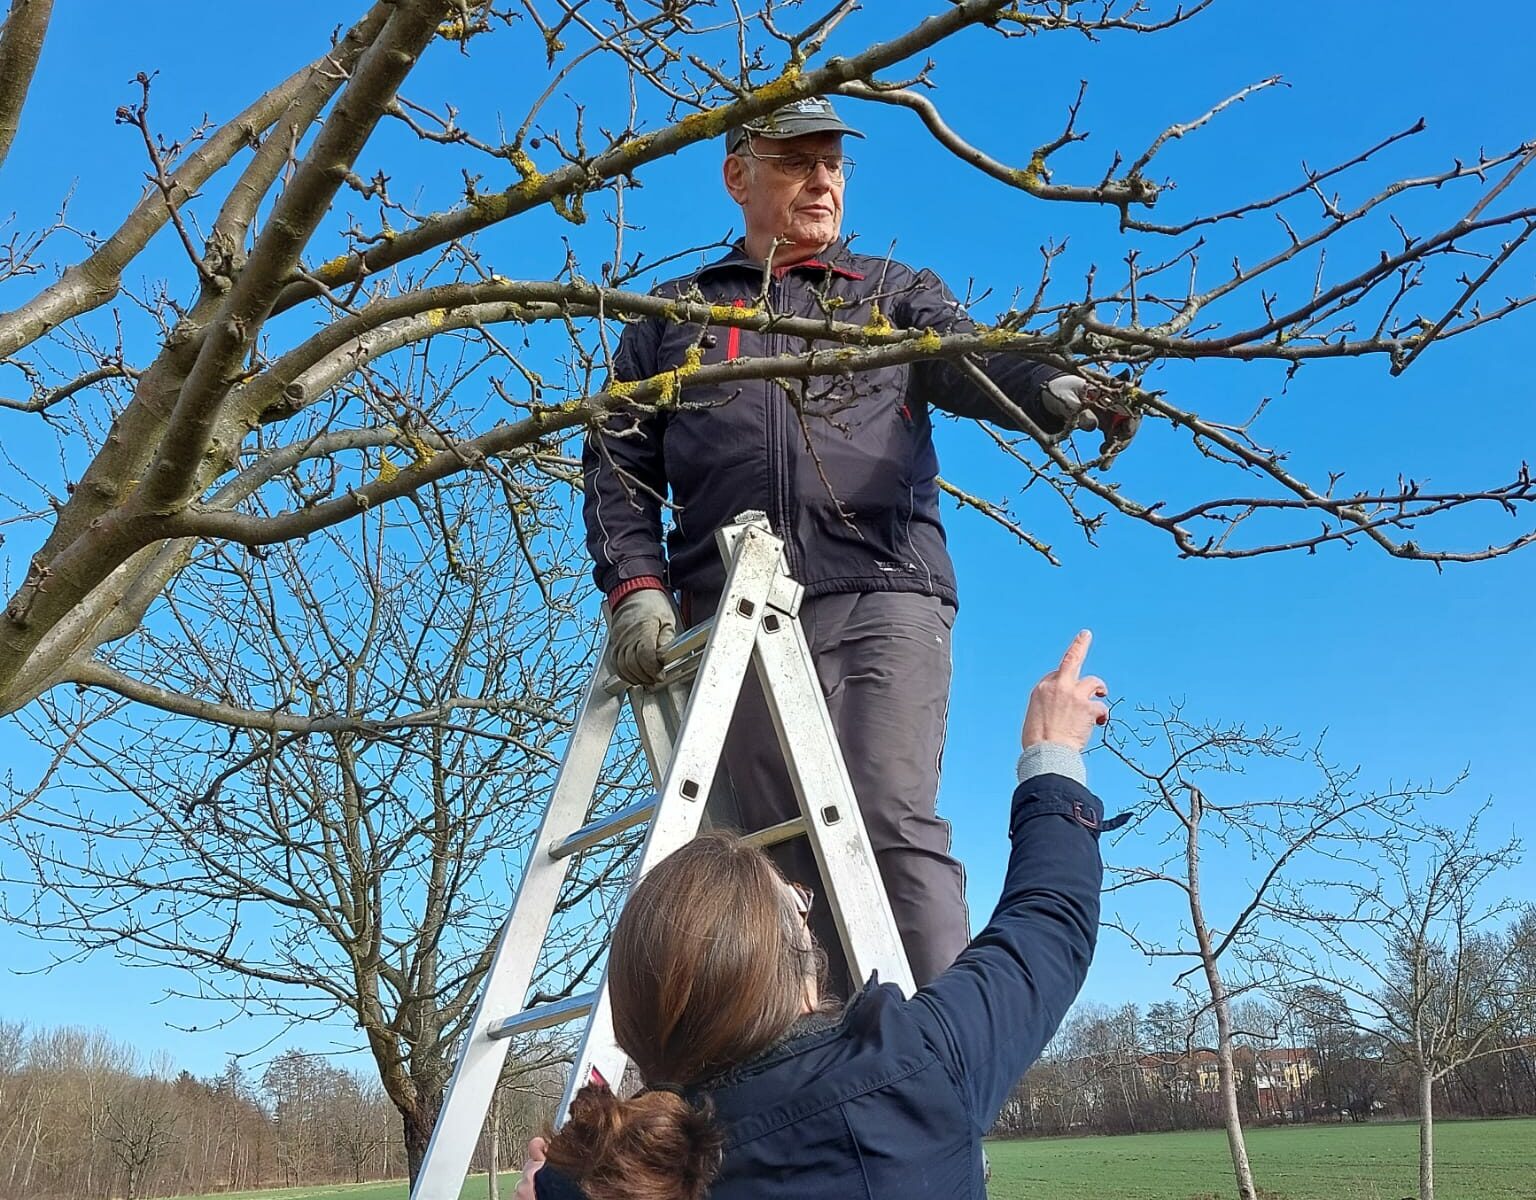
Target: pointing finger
<point>1077,653</point>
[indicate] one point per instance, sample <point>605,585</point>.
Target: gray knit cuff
<point>1052,758</point>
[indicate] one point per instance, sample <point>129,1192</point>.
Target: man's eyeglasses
<point>801,167</point>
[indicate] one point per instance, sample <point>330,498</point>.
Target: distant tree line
<point>1302,1054</point>
<point>83,1117</point>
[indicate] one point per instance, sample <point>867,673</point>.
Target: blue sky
<point>1414,673</point>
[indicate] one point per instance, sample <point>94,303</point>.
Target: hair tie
<point>698,1101</point>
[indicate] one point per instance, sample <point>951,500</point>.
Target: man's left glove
<point>638,629</point>
<point>1078,402</point>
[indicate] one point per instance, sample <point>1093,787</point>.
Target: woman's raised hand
<point>1066,705</point>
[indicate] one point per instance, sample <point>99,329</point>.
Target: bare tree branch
<point>21,44</point>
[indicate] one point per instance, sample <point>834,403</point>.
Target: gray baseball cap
<point>813,114</point>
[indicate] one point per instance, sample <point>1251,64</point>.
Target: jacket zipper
<point>733,338</point>
<point>780,476</point>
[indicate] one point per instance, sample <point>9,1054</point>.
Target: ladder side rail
<point>657,722</point>
<point>694,762</point>
<point>833,821</point>
<point>659,713</point>
<point>468,1098</point>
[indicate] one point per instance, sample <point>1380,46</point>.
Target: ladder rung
<point>542,1016</point>
<point>680,659</point>
<point>604,828</point>
<point>691,641</point>
<point>774,834</point>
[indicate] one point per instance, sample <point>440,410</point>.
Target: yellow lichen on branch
<point>701,126</point>
<point>336,266</point>
<point>667,384</point>
<point>1032,176</point>
<point>522,164</point>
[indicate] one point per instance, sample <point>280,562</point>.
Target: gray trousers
<point>883,659</point>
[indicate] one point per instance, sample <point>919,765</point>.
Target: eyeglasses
<point>804,898</point>
<point>801,167</point>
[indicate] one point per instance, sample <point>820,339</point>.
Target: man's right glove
<point>1078,403</point>
<point>639,628</point>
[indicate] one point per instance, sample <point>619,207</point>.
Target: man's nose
<point>821,177</point>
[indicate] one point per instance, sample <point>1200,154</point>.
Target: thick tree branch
<point>378,75</point>
<point>94,281</point>
<point>21,43</point>
<point>280,146</point>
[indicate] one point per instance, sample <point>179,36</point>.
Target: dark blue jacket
<point>892,1101</point>
<point>846,473</point>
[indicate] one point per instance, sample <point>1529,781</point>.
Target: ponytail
<point>653,1146</point>
<point>707,970</point>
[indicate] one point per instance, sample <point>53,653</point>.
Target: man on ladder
<point>846,473</point>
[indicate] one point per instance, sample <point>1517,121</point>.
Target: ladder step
<point>542,1016</point>
<point>605,827</point>
<point>688,643</point>
<point>774,834</point>
<point>680,658</point>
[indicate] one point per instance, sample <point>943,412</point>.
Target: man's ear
<point>734,172</point>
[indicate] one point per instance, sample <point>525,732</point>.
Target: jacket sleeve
<point>927,304</point>
<point>991,1014</point>
<point>624,479</point>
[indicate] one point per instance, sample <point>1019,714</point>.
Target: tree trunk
<point>1426,1136</point>
<point>1228,1074</point>
<point>418,1123</point>
<point>1218,989</point>
<point>495,1146</point>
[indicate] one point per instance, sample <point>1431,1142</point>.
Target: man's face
<point>804,213</point>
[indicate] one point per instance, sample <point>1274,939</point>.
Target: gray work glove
<point>637,630</point>
<point>1080,405</point>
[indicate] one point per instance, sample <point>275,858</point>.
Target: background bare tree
<point>1412,946</point>
<point>1201,803</point>
<point>81,1115</point>
<point>355,864</point>
<point>140,1127</point>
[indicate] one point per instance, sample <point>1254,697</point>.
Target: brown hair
<point>655,1146</point>
<point>707,970</point>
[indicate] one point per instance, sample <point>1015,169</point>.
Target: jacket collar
<point>808,1032</point>
<point>834,259</point>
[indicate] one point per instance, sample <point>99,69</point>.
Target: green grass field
<point>1475,1160</point>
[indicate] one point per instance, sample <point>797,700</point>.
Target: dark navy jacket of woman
<point>891,1101</point>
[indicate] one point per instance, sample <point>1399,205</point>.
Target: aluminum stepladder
<point>682,724</point>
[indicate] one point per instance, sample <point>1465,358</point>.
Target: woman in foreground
<point>753,1089</point>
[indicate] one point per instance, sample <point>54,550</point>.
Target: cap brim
<point>794,127</point>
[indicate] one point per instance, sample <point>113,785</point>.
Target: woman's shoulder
<point>826,1060</point>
